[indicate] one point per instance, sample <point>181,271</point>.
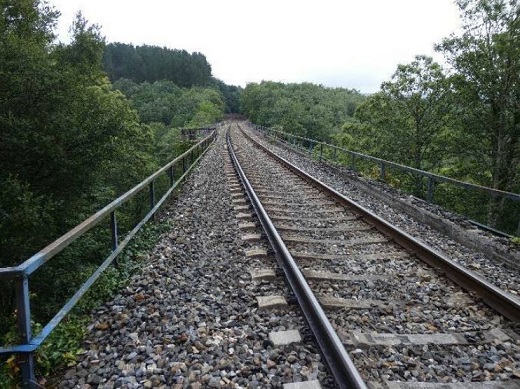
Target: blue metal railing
<point>20,274</point>
<point>322,151</point>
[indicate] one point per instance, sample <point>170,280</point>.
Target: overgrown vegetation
<point>151,64</point>
<point>463,121</point>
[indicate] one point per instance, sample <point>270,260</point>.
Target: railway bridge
<point>278,270</point>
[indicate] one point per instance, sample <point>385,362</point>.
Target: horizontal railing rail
<point>20,274</point>
<point>319,149</point>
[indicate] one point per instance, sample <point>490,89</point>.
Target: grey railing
<point>330,153</point>
<point>20,274</point>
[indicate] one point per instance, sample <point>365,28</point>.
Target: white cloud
<point>350,43</point>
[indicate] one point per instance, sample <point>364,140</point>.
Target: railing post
<point>25,332</point>
<point>321,151</point>
<point>431,189</point>
<point>170,175</point>
<point>353,162</point>
<point>383,171</point>
<point>152,198</point>
<point>184,164</point>
<point>334,154</point>
<point>114,233</point>
<point>113,228</point>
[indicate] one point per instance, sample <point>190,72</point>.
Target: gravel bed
<point>190,319</point>
<point>445,364</point>
<point>501,274</point>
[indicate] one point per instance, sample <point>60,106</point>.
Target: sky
<point>337,43</point>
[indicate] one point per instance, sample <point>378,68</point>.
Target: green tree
<point>485,60</point>
<point>304,109</point>
<point>407,122</point>
<point>68,141</point>
<point>410,114</point>
<point>153,63</point>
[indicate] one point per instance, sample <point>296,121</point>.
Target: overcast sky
<point>348,43</point>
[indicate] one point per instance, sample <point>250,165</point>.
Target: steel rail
<point>340,364</point>
<point>501,301</point>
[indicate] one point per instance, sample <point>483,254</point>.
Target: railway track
<point>387,311</point>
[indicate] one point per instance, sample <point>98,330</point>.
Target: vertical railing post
<point>152,197</point>
<point>114,233</point>
<point>353,162</point>
<point>431,189</point>
<point>321,151</point>
<point>171,176</point>
<point>25,332</point>
<point>113,229</point>
<point>383,171</point>
<point>335,154</point>
<point>184,164</point>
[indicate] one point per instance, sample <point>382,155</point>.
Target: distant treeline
<point>149,64</point>
<point>153,63</point>
<point>306,109</point>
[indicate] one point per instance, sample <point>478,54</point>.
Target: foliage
<point>464,123</point>
<point>231,95</point>
<point>485,60</point>
<point>69,143</point>
<point>407,121</point>
<point>165,102</point>
<point>153,63</point>
<point>308,110</point>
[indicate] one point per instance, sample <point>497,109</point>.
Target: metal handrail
<point>20,274</point>
<point>432,177</point>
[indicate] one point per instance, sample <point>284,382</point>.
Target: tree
<point>305,109</point>
<point>485,61</point>
<point>153,63</point>
<point>61,123</point>
<point>408,117</point>
<point>417,94</point>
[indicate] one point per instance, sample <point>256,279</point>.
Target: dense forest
<point>151,64</point>
<point>73,137</point>
<point>308,110</point>
<point>462,121</point>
